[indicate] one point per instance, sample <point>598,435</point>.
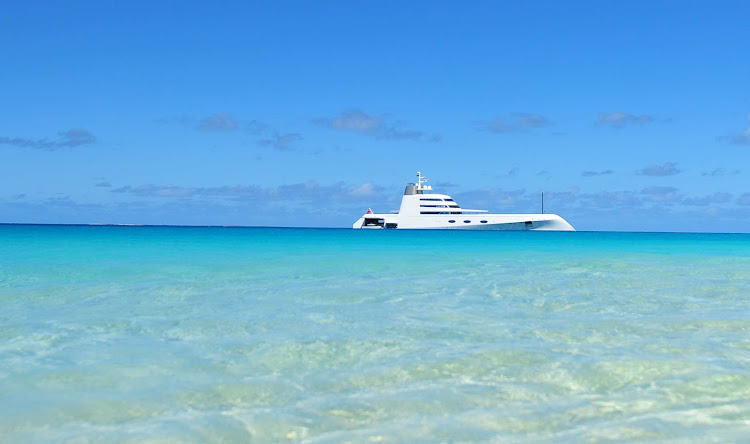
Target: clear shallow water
<point>228,334</point>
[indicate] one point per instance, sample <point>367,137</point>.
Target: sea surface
<point>181,334</point>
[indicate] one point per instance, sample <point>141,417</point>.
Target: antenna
<point>542,202</point>
<point>420,181</point>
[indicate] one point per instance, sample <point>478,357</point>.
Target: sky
<point>628,116</point>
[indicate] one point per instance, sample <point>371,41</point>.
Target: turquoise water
<point>168,334</point>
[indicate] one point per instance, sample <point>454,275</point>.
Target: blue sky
<point>627,115</point>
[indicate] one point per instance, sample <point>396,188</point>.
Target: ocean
<point>209,334</point>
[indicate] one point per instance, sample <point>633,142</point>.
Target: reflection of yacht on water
<point>422,209</point>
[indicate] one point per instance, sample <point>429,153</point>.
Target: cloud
<point>182,120</point>
<point>281,142</point>
<point>271,137</point>
<point>720,172</point>
<point>443,185</point>
<point>256,127</point>
<point>569,195</point>
<point>359,122</point>
<point>394,133</point>
<point>658,190</point>
<point>575,202</point>
<point>104,184</point>
<point>68,139</point>
<point>492,198</point>
<point>742,138</point>
<point>218,122</point>
<point>513,172</point>
<point>306,191</point>
<point>366,189</point>
<point>519,121</point>
<point>76,137</point>
<point>498,126</point>
<point>156,190</point>
<point>285,205</point>
<point>668,169</point>
<point>223,122</point>
<point>596,173</point>
<point>716,198</point>
<point>619,119</point>
<point>526,120</point>
<point>215,122</point>
<point>661,194</point>
<point>611,199</point>
<point>714,173</point>
<point>299,204</point>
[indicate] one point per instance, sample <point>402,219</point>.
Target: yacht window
<point>528,223</point>
<point>451,221</point>
<point>448,200</point>
<point>467,221</point>
<point>483,221</point>
<point>429,212</point>
<point>431,199</point>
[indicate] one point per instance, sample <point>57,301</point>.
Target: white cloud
<point>520,121</point>
<point>256,205</point>
<point>611,199</point>
<point>668,169</point>
<point>720,172</point>
<point>661,194</point>
<point>76,137</point>
<point>620,119</point>
<point>498,126</point>
<point>357,121</point>
<point>281,142</point>
<point>596,173</point>
<point>715,172</point>
<point>366,189</point>
<point>742,138</point>
<point>156,190</point>
<point>513,172</point>
<point>305,191</point>
<point>70,138</point>
<point>716,198</point>
<point>360,122</point>
<point>526,120</point>
<point>218,122</point>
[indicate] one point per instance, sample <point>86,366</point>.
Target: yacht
<point>423,209</point>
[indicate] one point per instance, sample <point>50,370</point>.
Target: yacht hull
<point>500,222</point>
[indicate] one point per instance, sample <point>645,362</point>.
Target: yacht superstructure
<point>423,209</point>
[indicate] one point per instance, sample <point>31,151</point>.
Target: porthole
<point>467,221</point>
<point>451,221</point>
<point>483,221</point>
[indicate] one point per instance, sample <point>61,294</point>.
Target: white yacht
<point>423,209</point>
